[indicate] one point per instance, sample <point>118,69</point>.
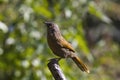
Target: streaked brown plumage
<point>61,47</point>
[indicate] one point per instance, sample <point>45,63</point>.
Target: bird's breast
<point>53,42</point>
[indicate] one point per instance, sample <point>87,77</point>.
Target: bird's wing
<point>66,44</point>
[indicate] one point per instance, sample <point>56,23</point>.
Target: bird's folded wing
<point>66,44</point>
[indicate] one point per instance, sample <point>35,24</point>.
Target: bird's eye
<point>49,25</point>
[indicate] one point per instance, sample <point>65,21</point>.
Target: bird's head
<point>49,24</point>
<point>52,26</point>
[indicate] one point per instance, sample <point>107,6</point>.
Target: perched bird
<point>61,47</point>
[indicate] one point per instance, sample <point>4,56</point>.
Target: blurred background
<point>91,26</point>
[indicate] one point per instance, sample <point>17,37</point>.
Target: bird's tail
<point>80,64</point>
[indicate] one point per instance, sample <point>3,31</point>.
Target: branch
<point>55,69</point>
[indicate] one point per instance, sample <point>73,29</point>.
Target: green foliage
<point>24,52</point>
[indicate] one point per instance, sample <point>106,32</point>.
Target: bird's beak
<point>47,23</point>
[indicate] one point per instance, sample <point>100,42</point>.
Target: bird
<point>61,47</point>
